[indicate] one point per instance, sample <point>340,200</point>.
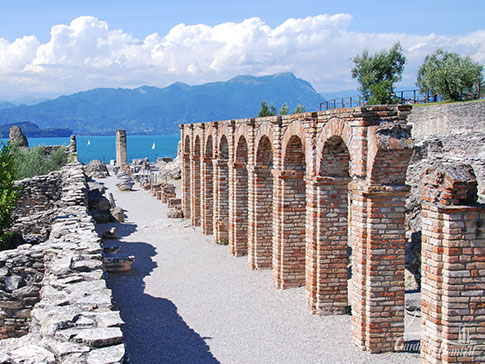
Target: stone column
<point>121,154</point>
<point>452,267</point>
<point>72,144</point>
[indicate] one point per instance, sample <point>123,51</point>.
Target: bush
<point>8,192</point>
<point>35,161</point>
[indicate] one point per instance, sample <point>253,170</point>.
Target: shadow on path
<point>154,331</point>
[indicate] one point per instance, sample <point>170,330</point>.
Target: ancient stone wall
<point>291,192</point>
<point>37,205</point>
<point>447,119</point>
<point>453,133</point>
<point>57,291</point>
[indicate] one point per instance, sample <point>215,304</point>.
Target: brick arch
<point>186,177</point>
<point>260,244</point>
<point>327,240</point>
<point>207,177</point>
<point>296,128</point>
<point>221,186</point>
<point>389,152</point>
<point>238,235</point>
<point>289,244</point>
<point>333,130</point>
<point>196,172</point>
<point>264,131</point>
<point>211,133</point>
<point>242,150</point>
<point>187,144</point>
<point>197,148</point>
<point>223,132</point>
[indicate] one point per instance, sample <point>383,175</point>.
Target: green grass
<point>445,102</point>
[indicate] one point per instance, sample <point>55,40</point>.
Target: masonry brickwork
<point>453,267</point>
<point>294,192</point>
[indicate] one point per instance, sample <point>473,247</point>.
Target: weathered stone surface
<point>100,337</point>
<point>74,303</point>
<point>175,213</point>
<point>118,214</point>
<point>17,137</point>
<point>32,354</point>
<point>109,355</point>
<point>96,169</point>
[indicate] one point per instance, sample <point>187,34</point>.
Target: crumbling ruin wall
<point>37,206</point>
<point>54,303</point>
<point>449,133</point>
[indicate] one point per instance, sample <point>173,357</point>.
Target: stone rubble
<point>58,290</point>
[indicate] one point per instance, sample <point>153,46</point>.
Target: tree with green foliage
<point>267,110</point>
<point>284,109</point>
<point>299,109</point>
<point>8,192</point>
<point>449,75</point>
<point>379,72</point>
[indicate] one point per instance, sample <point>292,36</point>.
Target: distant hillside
<point>150,110</point>
<point>33,131</point>
<point>6,105</point>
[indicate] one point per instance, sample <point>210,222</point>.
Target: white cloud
<point>87,54</point>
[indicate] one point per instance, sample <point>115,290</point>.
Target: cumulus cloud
<point>87,54</point>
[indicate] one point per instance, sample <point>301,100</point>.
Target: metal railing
<point>402,97</point>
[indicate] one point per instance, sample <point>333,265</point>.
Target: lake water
<point>104,147</point>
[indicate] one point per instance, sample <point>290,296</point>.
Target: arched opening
<point>208,189</point>
<point>196,182</point>
<point>239,226</point>
<point>331,249</point>
<point>293,216</point>
<point>186,178</point>
<point>221,194</point>
<point>261,241</point>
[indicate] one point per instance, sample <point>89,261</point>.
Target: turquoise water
<point>104,147</point>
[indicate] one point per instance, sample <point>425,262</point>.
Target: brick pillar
<point>261,218</point>
<point>327,245</point>
<point>195,196</point>
<point>207,210</point>
<point>121,153</point>
<point>378,259</point>
<point>221,201</point>
<point>186,185</point>
<point>238,234</point>
<point>452,267</point>
<point>290,224</point>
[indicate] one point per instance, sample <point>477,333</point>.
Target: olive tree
<point>377,73</point>
<point>449,75</point>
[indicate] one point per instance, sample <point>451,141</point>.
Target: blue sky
<point>131,43</point>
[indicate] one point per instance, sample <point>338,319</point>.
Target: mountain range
<point>152,110</point>
<point>33,131</point>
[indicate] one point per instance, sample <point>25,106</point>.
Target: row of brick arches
<point>305,195</point>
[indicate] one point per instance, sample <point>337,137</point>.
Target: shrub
<point>35,161</point>
<point>8,192</point>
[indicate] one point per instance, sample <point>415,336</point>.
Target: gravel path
<point>187,300</point>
